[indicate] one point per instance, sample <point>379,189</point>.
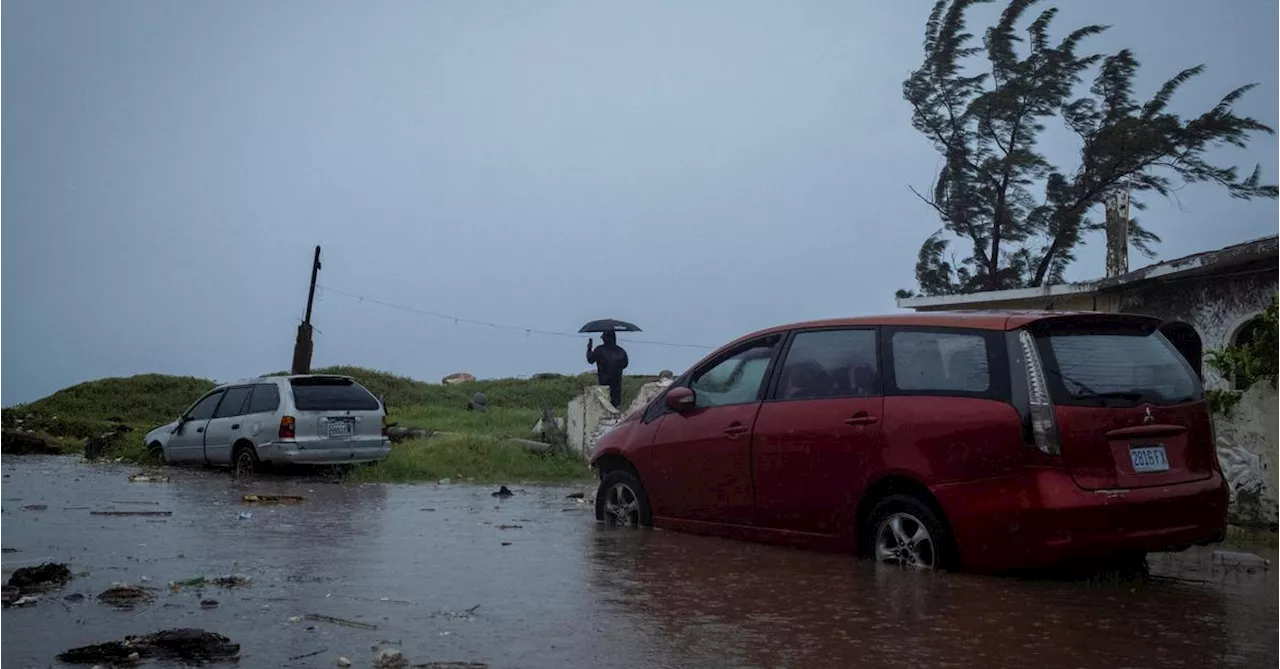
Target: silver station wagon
<point>307,419</point>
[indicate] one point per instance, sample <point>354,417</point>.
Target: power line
<point>458,320</point>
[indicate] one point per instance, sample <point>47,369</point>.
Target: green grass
<point>1249,537</point>
<point>479,458</point>
<point>473,449</point>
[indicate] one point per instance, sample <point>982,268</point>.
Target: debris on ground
<point>1241,560</point>
<point>245,515</point>
<point>49,574</point>
<point>131,513</point>
<point>506,543</point>
<point>14,550</point>
<point>339,621</point>
<point>148,478</point>
<point>398,434</point>
<point>466,614</point>
<point>14,442</point>
<point>503,491</point>
<point>510,527</point>
<point>389,658</point>
<point>279,499</point>
<point>228,581</point>
<point>12,598</point>
<point>186,645</point>
<point>575,495</point>
<point>124,596</point>
<point>98,446</point>
<point>344,662</point>
<point>306,655</point>
<point>35,507</point>
<point>208,603</point>
<point>74,597</point>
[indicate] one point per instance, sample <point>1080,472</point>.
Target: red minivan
<point>982,440</point>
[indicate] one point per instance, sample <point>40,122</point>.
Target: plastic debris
<point>245,515</point>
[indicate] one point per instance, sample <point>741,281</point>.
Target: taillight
<point>287,430</point>
<point>1044,427</point>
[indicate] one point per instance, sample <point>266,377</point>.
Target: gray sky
<point>172,165</point>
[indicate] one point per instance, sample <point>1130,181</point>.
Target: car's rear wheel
<point>621,500</point>
<point>906,532</point>
<point>244,462</point>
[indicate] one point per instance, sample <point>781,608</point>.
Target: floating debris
<point>74,597</point>
<point>389,658</point>
<point>503,491</point>
<point>511,527</point>
<point>211,604</point>
<point>131,513</point>
<point>35,507</point>
<point>575,495</point>
<point>124,596</point>
<point>228,581</point>
<point>306,655</point>
<point>339,621</point>
<point>344,662</point>
<point>186,645</point>
<point>49,574</point>
<point>279,499</point>
<point>148,478</point>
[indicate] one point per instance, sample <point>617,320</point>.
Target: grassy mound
<point>473,448</point>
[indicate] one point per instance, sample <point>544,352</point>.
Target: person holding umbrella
<point>609,358</point>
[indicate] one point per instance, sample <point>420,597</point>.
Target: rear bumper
<point>1041,518</point>
<point>288,452</point>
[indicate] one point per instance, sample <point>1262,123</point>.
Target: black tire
<point>912,515</point>
<point>244,461</point>
<point>156,451</point>
<point>621,500</point>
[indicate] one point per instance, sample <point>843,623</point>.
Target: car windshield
<point>315,394</point>
<point>1087,368</point>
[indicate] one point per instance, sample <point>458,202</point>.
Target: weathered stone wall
<point>591,414</point>
<point>1247,450</point>
<point>1215,306</point>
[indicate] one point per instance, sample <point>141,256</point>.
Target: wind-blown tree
<point>1024,216</point>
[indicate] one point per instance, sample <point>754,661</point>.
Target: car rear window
<point>1086,368</point>
<point>332,395</point>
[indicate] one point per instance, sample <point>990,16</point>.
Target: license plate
<point>1148,459</point>
<point>339,429</point>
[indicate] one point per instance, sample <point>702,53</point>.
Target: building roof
<point>1253,254</point>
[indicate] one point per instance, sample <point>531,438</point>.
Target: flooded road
<point>427,565</point>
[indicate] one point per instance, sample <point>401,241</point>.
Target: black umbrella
<point>609,325</point>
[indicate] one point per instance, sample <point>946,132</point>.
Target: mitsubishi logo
<point>1148,418</point>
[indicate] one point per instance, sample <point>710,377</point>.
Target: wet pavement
<point>449,573</point>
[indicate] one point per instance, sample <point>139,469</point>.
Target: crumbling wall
<point>591,414</point>
<point>1247,450</point>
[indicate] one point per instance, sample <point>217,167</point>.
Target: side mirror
<point>681,399</point>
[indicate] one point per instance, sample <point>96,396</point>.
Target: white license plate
<point>339,429</point>
<point>1148,459</point>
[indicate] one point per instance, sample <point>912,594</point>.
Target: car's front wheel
<point>621,500</point>
<point>156,450</point>
<point>906,532</point>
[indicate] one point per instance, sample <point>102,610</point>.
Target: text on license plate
<point>1148,459</point>
<point>339,428</point>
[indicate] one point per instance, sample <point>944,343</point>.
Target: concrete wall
<point>1247,450</point>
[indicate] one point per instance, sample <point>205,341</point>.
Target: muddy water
<point>427,566</point>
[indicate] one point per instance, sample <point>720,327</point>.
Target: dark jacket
<point>610,360</point>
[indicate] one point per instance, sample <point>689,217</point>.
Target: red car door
<point>819,433</point>
<point>702,456</point>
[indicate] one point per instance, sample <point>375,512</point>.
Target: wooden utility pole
<point>302,346</point>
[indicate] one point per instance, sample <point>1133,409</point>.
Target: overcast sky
<point>702,168</point>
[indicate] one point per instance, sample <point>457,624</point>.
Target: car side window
<point>266,398</point>
<point>830,363</point>
<point>737,378</point>
<point>233,403</point>
<point>940,361</point>
<point>203,410</point>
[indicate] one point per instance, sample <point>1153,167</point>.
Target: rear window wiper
<point>1089,393</point>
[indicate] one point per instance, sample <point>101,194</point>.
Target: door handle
<point>861,418</point>
<point>736,430</point>
<point>236,426</point>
